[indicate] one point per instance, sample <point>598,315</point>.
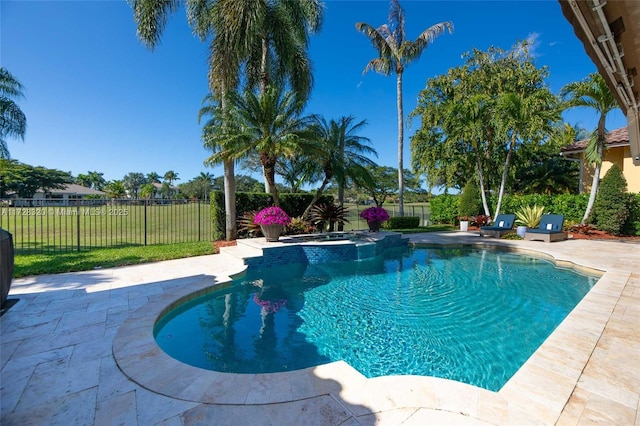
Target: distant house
<point>617,152</point>
<point>70,195</point>
<point>173,190</point>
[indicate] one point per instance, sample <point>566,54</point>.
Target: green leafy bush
<point>470,203</point>
<point>406,222</point>
<point>444,208</point>
<point>632,225</point>
<point>610,210</point>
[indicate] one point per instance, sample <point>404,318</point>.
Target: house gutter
<point>610,59</point>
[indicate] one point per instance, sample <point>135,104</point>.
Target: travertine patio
<point>73,343</point>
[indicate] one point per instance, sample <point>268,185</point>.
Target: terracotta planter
<point>374,225</point>
<point>272,232</point>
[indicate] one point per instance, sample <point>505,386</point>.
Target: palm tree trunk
<point>481,180</point>
<point>400,146</point>
<point>505,170</point>
<point>269,167</point>
<point>316,196</point>
<point>231,227</point>
<point>596,173</point>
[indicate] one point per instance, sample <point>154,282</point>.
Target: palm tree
<point>207,18</point>
<point>395,52</point>
<point>592,92</point>
<point>96,180</point>
<point>267,124</point>
<point>170,177</point>
<point>116,189</point>
<point>524,115</point>
<point>147,191</point>
<point>342,153</point>
<point>13,122</point>
<point>153,177</point>
<point>264,35</point>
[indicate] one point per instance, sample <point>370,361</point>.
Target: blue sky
<point>97,99</point>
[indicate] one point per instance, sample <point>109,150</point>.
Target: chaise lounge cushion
<point>550,229</point>
<point>502,225</point>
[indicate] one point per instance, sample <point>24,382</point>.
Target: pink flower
<point>272,216</point>
<point>374,213</point>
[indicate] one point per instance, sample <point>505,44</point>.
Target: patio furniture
<point>549,230</point>
<point>502,225</point>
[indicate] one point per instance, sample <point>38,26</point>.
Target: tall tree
<point>116,189</point>
<point>25,180</point>
<point>592,92</point>
<point>153,177</point>
<point>13,122</point>
<point>341,152</point>
<point>213,20</point>
<point>170,177</point>
<point>267,124</point>
<point>395,53</point>
<point>482,111</point>
<point>96,180</point>
<point>132,183</point>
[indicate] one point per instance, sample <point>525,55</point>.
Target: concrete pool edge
<point>139,357</point>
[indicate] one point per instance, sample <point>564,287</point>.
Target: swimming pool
<point>464,314</point>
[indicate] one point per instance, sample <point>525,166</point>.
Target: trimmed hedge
<point>407,222</point>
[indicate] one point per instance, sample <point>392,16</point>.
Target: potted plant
<point>272,221</point>
<point>464,223</point>
<point>528,217</point>
<point>374,217</point>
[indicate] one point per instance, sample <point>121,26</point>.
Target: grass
<point>57,263</point>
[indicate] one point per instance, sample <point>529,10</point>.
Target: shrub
<point>299,226</point>
<point>247,226</point>
<point>407,222</point>
<point>470,201</point>
<point>632,225</point>
<point>480,220</point>
<point>530,216</point>
<point>610,210</point>
<point>444,208</point>
<point>325,216</point>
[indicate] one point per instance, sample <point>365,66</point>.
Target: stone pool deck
<point>71,345</point>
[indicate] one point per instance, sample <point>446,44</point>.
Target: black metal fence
<point>39,226</point>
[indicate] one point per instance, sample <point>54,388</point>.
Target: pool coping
<point>141,360</point>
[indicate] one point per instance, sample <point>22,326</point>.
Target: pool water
<point>469,315</point>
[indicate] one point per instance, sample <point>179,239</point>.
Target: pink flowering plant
<point>272,216</point>
<point>374,213</point>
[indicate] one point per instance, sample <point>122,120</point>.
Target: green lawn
<point>55,263</point>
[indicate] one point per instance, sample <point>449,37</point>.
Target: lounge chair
<point>549,230</point>
<point>502,225</point>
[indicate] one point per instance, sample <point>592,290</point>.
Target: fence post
<point>145,222</point>
<point>78,225</point>
<point>199,208</point>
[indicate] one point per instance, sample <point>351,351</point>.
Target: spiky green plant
<point>325,216</point>
<point>530,216</point>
